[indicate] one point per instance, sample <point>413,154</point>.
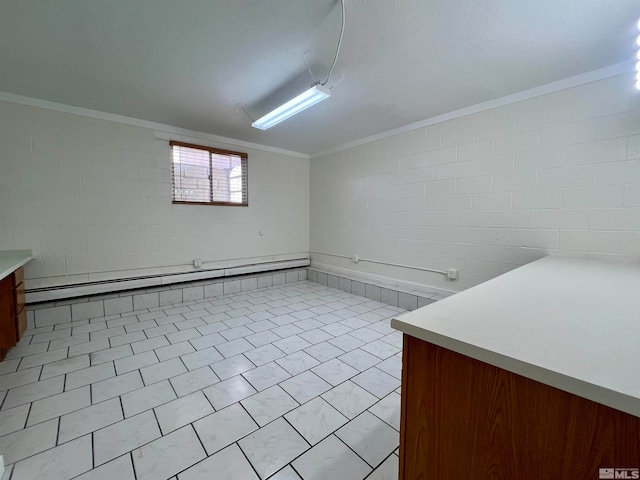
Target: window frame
<point>218,151</point>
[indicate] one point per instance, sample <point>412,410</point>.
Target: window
<point>208,176</point>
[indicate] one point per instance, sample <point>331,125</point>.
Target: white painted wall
<point>91,198</point>
<point>558,174</point>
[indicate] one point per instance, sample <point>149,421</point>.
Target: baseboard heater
<point>46,294</point>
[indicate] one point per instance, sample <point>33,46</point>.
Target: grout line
<point>237,442</point>
<point>153,410</point>
<point>154,352</point>
<point>121,406</point>
<point>357,454</point>
<point>168,380</point>
<point>93,452</point>
<point>133,465</point>
<point>185,366</point>
<point>26,420</point>
<point>380,464</point>
<point>299,433</point>
<point>294,469</point>
<point>59,421</point>
<point>201,443</point>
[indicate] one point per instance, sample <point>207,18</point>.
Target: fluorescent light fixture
<point>315,94</point>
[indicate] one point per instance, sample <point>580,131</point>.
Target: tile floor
<point>288,382</point>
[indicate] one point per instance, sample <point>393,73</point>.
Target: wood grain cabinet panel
<point>19,310</point>
<point>7,314</point>
<point>18,277</point>
<point>21,324</point>
<point>19,298</point>
<point>465,419</point>
<point>13,314</point>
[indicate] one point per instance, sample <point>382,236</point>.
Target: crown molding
<point>160,129</point>
<point>583,78</point>
<point>157,127</point>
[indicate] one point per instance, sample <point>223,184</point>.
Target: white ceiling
<point>192,63</point>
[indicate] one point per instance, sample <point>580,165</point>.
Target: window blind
<point>210,176</point>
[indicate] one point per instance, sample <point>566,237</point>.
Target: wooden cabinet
<point>13,314</point>
<point>20,311</point>
<point>533,375</point>
<point>465,419</point>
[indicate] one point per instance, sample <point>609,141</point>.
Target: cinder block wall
<point>557,174</point>
<point>92,199</point>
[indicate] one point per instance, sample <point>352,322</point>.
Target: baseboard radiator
<point>169,281</point>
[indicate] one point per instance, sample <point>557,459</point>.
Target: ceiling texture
<point>195,63</point>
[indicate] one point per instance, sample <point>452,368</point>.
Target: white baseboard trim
<point>134,302</point>
<point>426,291</point>
<point>98,288</point>
<point>383,292</point>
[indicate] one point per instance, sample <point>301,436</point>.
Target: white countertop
<point>570,323</point>
<point>11,260</point>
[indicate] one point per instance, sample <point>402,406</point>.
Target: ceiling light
<point>315,94</point>
<point>310,97</point>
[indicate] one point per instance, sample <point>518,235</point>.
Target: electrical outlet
<point>197,263</point>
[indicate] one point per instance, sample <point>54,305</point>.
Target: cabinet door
<point>18,277</point>
<point>19,298</point>
<point>7,314</point>
<point>21,324</point>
